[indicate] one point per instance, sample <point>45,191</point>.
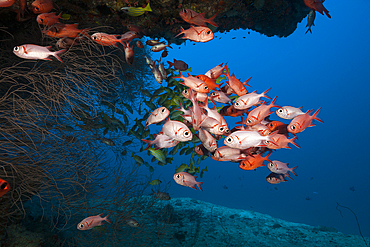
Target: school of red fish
<point>244,144</point>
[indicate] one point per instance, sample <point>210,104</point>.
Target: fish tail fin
<point>295,174</point>
<point>147,8</point>
<point>327,13</point>
<point>264,93</point>
<point>108,220</point>
<point>315,114</point>
<point>171,64</point>
<point>182,31</point>
<point>246,82</point>
<point>211,20</point>
<point>309,29</point>
<point>149,143</point>
<point>292,141</point>
<point>198,184</point>
<point>56,53</point>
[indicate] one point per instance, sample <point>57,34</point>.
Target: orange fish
<point>197,34</point>
<point>277,125</point>
<point>106,39</point>
<point>22,6</point>
<point>42,6</point>
<point>92,221</point>
<point>192,17</point>
<point>282,141</point>
<point>48,19</point>
<point>253,162</point>
<point>211,83</point>
<point>258,114</point>
<point>4,187</point>
<point>235,84</point>
<point>231,111</point>
<point>6,3</point>
<point>318,6</point>
<point>301,122</point>
<point>60,30</point>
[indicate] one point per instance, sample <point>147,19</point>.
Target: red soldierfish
<point>48,19</point>
<point>318,6</point>
<point>92,221</point>
<point>216,71</point>
<point>211,83</point>
<point>161,141</point>
<point>42,6</point>
<point>157,116</point>
<point>185,179</point>
<point>106,39</point>
<point>220,97</point>
<point>259,113</point>
<point>282,141</point>
<point>22,6</point>
<point>301,122</point>
<point>6,3</point>
<point>208,141</point>
<point>249,100</point>
<point>274,178</point>
<point>192,17</point>
<point>36,52</point>
<point>4,187</point>
<point>289,112</point>
<point>177,131</point>
<point>279,167</point>
<point>129,52</point>
<point>197,34</point>
<point>243,139</point>
<point>194,83</point>
<point>235,84</point>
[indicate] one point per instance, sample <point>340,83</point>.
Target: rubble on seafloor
<point>191,222</point>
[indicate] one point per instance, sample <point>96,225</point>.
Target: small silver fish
<point>310,20</point>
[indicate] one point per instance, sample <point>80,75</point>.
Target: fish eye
<point>208,32</point>
<point>249,121</point>
<point>186,91</point>
<point>178,176</point>
<point>205,87</point>
<point>280,110</point>
<point>94,37</point>
<point>227,131</point>
<point>292,127</point>
<point>213,94</point>
<point>37,8</point>
<point>81,225</point>
<point>237,104</point>
<point>271,165</point>
<point>3,186</point>
<point>229,140</point>
<point>163,110</point>
<point>271,125</point>
<point>221,129</point>
<point>16,48</point>
<point>186,133</point>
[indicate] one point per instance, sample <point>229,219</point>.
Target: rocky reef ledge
<point>178,222</point>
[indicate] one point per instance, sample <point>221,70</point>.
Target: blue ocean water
<point>327,69</point>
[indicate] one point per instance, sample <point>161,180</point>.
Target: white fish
<point>30,51</point>
<point>249,100</point>
<point>177,131</point>
<point>289,112</point>
<point>157,116</point>
<point>279,167</point>
<point>243,139</point>
<point>208,141</point>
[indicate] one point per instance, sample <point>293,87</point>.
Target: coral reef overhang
<point>271,18</point>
